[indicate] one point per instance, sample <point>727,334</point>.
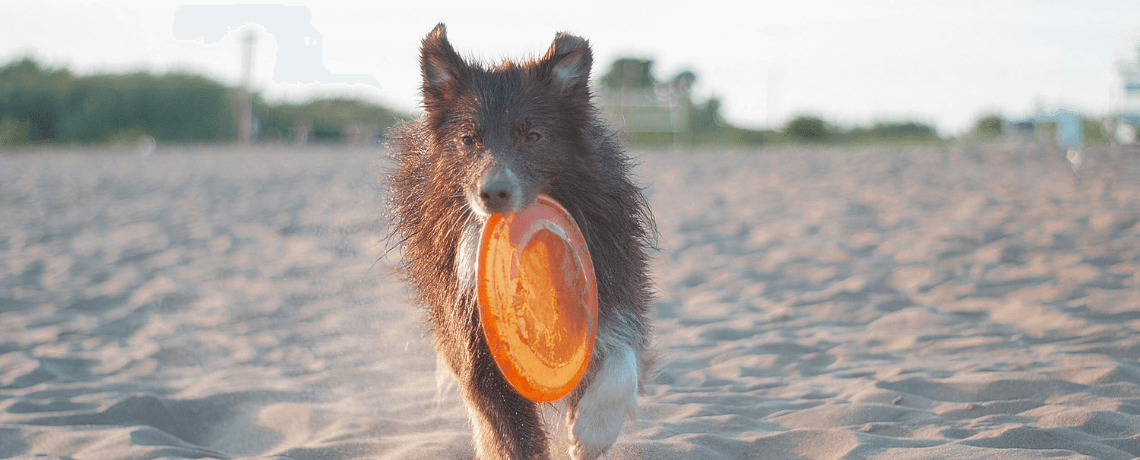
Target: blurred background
<point>668,74</point>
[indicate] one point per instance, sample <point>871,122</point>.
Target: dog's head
<point>511,130</point>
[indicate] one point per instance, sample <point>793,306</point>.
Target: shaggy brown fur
<point>536,119</point>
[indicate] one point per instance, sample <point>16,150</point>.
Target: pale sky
<point>852,62</point>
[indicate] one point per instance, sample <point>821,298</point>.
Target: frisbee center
<point>552,310</point>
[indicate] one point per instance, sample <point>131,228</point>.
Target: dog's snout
<point>496,196</point>
<point>498,193</point>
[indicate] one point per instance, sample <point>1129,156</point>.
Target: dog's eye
<point>533,137</point>
<point>468,140</point>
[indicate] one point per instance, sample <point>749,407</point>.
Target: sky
<point>944,63</point>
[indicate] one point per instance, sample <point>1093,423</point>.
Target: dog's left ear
<point>442,67</point>
<point>570,60</point>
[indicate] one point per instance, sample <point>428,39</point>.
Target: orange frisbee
<point>538,299</point>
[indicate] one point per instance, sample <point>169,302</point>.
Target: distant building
<point>1126,129</point>
<point>664,109</point>
<point>646,111</point>
<point>1070,128</point>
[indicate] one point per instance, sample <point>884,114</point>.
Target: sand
<point>972,301</point>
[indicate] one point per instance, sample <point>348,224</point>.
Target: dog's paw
<point>578,452</point>
<point>610,398</point>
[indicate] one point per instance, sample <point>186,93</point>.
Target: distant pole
<point>245,94</point>
<point>770,103</point>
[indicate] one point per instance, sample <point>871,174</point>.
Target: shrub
<point>172,107</point>
<point>36,95</point>
<point>988,127</point>
<point>1094,130</point>
<point>13,131</point>
<point>807,128</point>
<point>893,132</point>
<point>629,73</point>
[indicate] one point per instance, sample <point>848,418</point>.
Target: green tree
<point>988,127</point>
<point>629,73</point>
<point>894,131</point>
<point>706,117</point>
<point>13,131</point>
<point>326,117</point>
<point>807,128</point>
<point>683,81</point>
<point>173,107</point>
<point>42,104</point>
<point>36,96</point>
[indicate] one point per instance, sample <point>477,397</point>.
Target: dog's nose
<point>496,196</point>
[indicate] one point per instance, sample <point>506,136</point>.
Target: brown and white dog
<point>490,139</point>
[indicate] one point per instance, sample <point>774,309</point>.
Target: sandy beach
<point>960,302</point>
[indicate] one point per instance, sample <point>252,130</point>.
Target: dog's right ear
<point>442,67</point>
<point>570,59</point>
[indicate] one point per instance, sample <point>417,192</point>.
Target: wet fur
<point>435,219</point>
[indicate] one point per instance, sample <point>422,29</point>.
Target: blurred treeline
<point>633,94</point>
<point>699,123</point>
<point>813,129</point>
<point>41,104</point>
<point>328,120</point>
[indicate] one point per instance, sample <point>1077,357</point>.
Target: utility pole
<point>770,102</point>
<point>245,95</point>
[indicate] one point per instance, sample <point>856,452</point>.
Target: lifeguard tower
<point>1126,130</point>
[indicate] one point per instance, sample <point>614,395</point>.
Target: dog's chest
<point>467,258</point>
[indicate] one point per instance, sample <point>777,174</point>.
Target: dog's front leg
<point>610,397</point>
<point>506,425</point>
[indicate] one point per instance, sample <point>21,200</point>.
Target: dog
<point>489,140</point>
